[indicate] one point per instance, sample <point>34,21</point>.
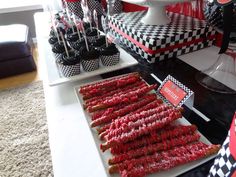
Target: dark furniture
<point>15,50</point>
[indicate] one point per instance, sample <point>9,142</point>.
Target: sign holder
<point>188,100</point>
<point>176,93</point>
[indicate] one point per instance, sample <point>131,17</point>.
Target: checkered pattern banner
<point>154,43</point>
<point>225,161</point>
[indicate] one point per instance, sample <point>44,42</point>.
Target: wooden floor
<point>21,79</point>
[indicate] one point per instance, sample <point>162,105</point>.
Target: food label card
<point>176,93</point>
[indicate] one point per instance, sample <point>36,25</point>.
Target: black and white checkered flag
<point>225,162</point>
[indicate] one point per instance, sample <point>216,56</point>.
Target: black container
<point>89,59</point>
<point>110,55</point>
<point>69,66</point>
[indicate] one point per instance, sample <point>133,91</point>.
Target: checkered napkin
<point>225,162</point>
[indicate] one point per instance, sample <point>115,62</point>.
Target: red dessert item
<point>144,128</point>
<point>134,121</point>
<point>169,132</point>
<point>150,105</point>
<point>164,160</point>
<point>152,148</point>
<point>114,82</point>
<point>123,111</point>
<point>123,98</point>
<point>96,99</point>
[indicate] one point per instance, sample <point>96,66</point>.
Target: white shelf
<point>55,77</point>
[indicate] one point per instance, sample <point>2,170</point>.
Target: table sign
<point>176,93</point>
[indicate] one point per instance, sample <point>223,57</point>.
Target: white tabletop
<point>73,150</point>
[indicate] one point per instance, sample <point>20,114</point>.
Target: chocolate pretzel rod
<point>108,83</point>
<point>150,105</point>
<point>127,97</point>
<point>164,160</point>
<point>142,130</point>
<point>127,88</point>
<point>117,94</point>
<point>169,132</point>
<point>135,121</point>
<point>123,111</point>
<point>148,150</point>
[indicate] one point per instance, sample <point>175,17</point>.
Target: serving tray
<point>106,155</point>
<point>55,77</point>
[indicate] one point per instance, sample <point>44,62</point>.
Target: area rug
<point>24,147</point>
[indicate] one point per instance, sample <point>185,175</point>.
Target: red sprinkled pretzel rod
<point>120,81</point>
<point>118,124</point>
<point>107,111</point>
<point>148,150</point>
<point>118,94</point>
<point>156,157</point>
<point>142,130</point>
<point>174,152</point>
<point>169,132</point>
<point>96,99</point>
<point>123,111</point>
<point>130,122</point>
<point>151,105</point>
<point>164,160</point>
<point>110,91</point>
<point>124,98</point>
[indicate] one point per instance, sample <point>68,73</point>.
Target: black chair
<point>15,50</point>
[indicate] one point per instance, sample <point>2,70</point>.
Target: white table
<point>73,150</point>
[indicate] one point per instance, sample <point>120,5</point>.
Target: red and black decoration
<point>225,162</point>
<point>155,43</point>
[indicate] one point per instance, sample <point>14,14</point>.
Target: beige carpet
<point>24,147</point>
